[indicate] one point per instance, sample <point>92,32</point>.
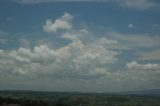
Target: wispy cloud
<point>131,41</point>
<point>3,39</point>
<point>149,55</point>
<point>136,4</point>
<point>47,1</point>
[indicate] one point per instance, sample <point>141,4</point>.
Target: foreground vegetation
<point>74,99</point>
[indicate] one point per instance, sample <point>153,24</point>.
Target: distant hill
<point>150,92</point>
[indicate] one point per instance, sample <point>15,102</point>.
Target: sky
<point>80,45</point>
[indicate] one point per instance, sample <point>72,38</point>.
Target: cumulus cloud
<point>143,75</point>
<point>64,22</point>
<point>76,64</point>
<point>74,58</point>
<point>135,65</point>
<point>73,35</point>
<point>81,59</point>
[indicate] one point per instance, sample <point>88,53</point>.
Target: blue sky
<point>88,46</point>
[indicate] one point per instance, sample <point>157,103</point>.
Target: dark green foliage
<point>74,99</point>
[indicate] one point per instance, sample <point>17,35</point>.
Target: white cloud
<point>80,59</point>
<point>46,1</point>
<point>143,75</point>
<point>73,35</point>
<point>130,25</point>
<point>76,63</point>
<point>104,40</point>
<point>135,65</point>
<point>136,43</point>
<point>135,4</point>
<point>64,22</point>
<point>74,58</point>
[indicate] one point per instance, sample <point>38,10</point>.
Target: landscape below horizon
<point>39,98</point>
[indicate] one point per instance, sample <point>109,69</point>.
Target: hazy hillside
<point>32,98</point>
<point>151,92</point>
